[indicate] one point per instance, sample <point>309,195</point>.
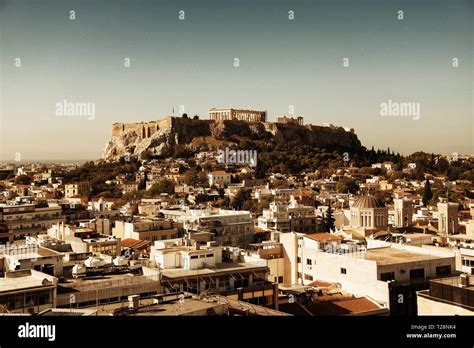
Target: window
<point>385,277</point>
<point>309,262</point>
<point>280,279</point>
<point>308,277</point>
<point>417,273</point>
<point>194,257</point>
<point>343,271</point>
<point>298,259</point>
<point>443,270</point>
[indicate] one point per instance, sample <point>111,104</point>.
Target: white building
<point>275,218</point>
<point>363,272</point>
<point>219,178</point>
<point>177,253</point>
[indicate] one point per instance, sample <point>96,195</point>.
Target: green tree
<point>328,220</point>
<point>443,166</point>
<point>164,186</point>
<point>23,180</point>
<point>239,199</point>
<point>345,185</point>
<point>427,194</point>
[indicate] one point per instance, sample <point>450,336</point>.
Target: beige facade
<point>403,212</point>
<point>272,254</point>
<point>129,187</point>
<point>179,179</point>
<point>448,218</point>
<point>78,189</point>
<point>146,229</point>
<point>219,178</point>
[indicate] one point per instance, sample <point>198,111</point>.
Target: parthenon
<point>238,114</point>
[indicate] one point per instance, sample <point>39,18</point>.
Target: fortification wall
<point>142,129</point>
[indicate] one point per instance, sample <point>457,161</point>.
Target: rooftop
<point>219,268</point>
<point>390,256</point>
<point>323,237</point>
<point>25,251</point>
<point>367,202</point>
<point>455,282</point>
<point>26,280</point>
<point>351,306</point>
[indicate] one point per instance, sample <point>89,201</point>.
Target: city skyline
<point>189,59</point>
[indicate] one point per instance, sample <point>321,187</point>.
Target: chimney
<point>133,302</point>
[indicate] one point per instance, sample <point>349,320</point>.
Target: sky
<point>299,63</point>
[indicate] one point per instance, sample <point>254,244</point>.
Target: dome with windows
<point>368,202</point>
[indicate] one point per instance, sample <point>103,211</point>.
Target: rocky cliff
<point>160,138</point>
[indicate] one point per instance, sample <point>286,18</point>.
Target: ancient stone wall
<point>142,129</point>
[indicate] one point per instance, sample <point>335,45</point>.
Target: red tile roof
<point>320,283</point>
<point>344,307</point>
<point>128,242</point>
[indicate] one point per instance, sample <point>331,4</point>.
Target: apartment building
<point>151,229</point>
<point>226,227</point>
<point>302,218</point>
<point>388,273</point>
<point>275,218</point>
<point>25,219</point>
<point>14,257</point>
<point>206,270</point>
<point>85,239</point>
<point>78,189</point>
<point>27,292</point>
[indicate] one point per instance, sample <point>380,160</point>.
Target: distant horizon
<point>350,63</point>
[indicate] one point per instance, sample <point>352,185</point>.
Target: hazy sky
<point>190,62</point>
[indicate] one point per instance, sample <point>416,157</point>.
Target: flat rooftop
<point>219,268</point>
<point>390,256</point>
<point>103,282</point>
<point>22,252</point>
<point>69,312</point>
<point>147,307</point>
<point>455,282</point>
<point>33,280</point>
<point>460,237</point>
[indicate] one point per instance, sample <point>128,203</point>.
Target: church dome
<point>365,202</point>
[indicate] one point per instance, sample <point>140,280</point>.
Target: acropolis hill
<point>160,137</point>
